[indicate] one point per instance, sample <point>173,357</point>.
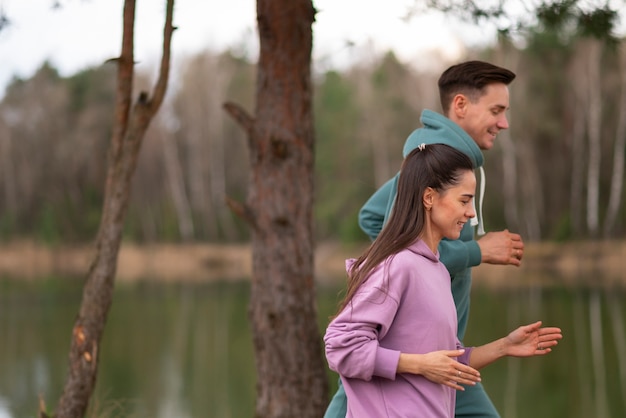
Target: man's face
<point>485,118</point>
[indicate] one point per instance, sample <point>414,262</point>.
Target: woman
<point>393,341</point>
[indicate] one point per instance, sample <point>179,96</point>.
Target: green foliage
<point>337,154</point>
<point>568,18</point>
<point>556,15</point>
<point>571,17</point>
<point>92,87</point>
<point>599,24</point>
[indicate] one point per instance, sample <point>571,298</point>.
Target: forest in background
<point>556,174</point>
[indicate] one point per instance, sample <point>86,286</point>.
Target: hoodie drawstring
<point>478,220</point>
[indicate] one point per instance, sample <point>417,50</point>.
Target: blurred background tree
<point>560,167</point>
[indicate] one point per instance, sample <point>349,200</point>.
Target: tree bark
<point>291,372</point>
<point>124,149</point>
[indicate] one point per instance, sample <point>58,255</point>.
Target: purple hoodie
<point>404,306</point>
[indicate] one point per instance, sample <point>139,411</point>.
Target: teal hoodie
<point>457,255</point>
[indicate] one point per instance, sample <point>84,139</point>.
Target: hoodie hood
<point>439,129</point>
<point>419,247</point>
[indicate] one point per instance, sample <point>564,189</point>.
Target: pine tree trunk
<point>291,371</point>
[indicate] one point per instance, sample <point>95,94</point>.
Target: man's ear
<point>459,105</point>
<point>429,198</point>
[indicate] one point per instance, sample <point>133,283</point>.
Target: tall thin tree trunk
<point>509,184</point>
<point>619,153</point>
<point>510,170</point>
<point>176,181</point>
<point>128,133</point>
<point>291,372</point>
<point>578,165</point>
<point>7,171</point>
<point>533,201</point>
<point>373,130</point>
<point>217,166</point>
<point>594,118</point>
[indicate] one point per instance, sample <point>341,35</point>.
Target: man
<point>474,97</point>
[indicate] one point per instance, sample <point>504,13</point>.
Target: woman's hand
<point>439,367</point>
<point>532,340</point>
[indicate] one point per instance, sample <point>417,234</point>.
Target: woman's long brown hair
<point>437,166</point>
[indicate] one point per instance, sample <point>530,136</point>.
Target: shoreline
<point>580,263</point>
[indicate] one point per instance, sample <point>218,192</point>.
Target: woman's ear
<point>429,198</point>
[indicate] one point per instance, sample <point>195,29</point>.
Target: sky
<point>85,33</point>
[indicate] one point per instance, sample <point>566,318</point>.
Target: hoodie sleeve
<point>458,255</point>
<point>352,338</point>
<point>374,212</point>
<point>465,357</point>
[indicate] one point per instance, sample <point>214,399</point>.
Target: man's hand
<point>502,247</point>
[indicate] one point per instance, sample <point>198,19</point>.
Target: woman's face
<point>453,207</point>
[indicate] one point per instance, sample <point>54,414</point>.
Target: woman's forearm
<point>486,354</point>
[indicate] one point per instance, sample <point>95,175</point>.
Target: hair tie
<point>421,146</point>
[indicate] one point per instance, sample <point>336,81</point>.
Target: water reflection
<point>4,409</point>
<point>176,351</point>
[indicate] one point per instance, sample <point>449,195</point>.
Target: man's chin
<point>486,146</point>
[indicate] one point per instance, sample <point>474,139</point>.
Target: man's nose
<point>503,123</point>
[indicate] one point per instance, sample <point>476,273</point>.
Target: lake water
<point>185,350</point>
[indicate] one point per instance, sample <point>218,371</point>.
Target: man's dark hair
<point>470,78</point>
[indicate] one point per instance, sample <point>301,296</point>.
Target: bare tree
<point>578,166</point>
<point>594,116</point>
<point>176,182</point>
<point>206,80</point>
<point>511,59</point>
<point>291,373</point>
<point>7,169</point>
<point>375,128</point>
<point>131,123</point>
<point>619,148</point>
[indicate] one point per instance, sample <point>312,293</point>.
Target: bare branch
<point>124,78</point>
<point>241,210</point>
<point>161,85</point>
<point>240,115</point>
